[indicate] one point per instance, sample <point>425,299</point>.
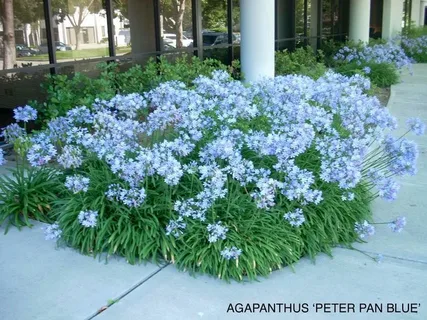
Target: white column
<point>360,14</point>
<point>257,38</point>
<point>415,12</point>
<point>392,18</point>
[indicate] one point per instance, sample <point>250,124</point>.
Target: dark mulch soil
<point>383,94</point>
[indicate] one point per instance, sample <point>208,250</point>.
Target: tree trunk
<point>9,50</point>
<point>77,30</point>
<point>180,9</point>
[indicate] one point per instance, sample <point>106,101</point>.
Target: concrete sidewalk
<point>39,282</point>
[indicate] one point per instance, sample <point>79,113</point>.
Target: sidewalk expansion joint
<point>397,258</point>
<point>115,300</point>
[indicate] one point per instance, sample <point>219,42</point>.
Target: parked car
<point>170,38</point>
<point>60,46</point>
<point>211,38</point>
<point>24,51</point>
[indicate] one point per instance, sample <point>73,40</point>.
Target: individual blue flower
<point>77,183</point>
<point>416,126</point>
<point>397,224</point>
<point>88,218</point>
<point>367,70</point>
<point>364,229</point>
<point>295,218</point>
<point>25,114</point>
<point>52,231</point>
<point>232,253</point>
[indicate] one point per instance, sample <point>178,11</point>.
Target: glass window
<point>17,88</point>
<point>78,29</point>
<point>176,26</point>
<point>22,31</point>
<point>327,18</point>
<point>376,21</point>
<point>285,24</point>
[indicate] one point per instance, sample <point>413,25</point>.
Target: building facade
<point>68,36</point>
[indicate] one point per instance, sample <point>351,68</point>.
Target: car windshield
<point>209,39</point>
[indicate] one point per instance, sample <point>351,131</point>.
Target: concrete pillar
<point>415,12</point>
<point>257,38</point>
<point>392,18</point>
<point>142,30</point>
<point>360,14</point>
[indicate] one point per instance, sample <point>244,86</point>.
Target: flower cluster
<point>176,227</point>
<point>133,197</point>
<point>52,231</point>
<point>77,183</point>
<point>88,218</point>
<point>364,229</point>
<point>295,218</point>
<point>231,253</point>
<point>216,232</point>
<point>40,154</point>
<point>71,157</point>
<point>398,224</point>
<point>12,132</point>
<point>390,52</point>
<point>415,47</point>
<point>416,126</point>
<point>2,159</point>
<point>25,114</point>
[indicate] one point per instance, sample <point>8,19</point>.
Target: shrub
<point>224,178</point>
<point>64,93</point>
<point>303,61</point>
<point>416,48</point>
<point>377,53</point>
<point>413,31</point>
<point>329,48</point>
<point>381,74</point>
<point>135,233</point>
<point>28,193</point>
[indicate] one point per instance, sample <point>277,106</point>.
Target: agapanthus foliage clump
<point>390,52</point>
<point>415,47</point>
<point>380,62</point>
<point>225,178</point>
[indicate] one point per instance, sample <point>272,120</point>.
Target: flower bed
<point>379,62</point>
<point>416,48</point>
<point>224,178</point>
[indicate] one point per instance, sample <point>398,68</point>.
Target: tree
<point>179,14</point>
<point>9,53</point>
<point>214,13</point>
<point>29,12</point>
<point>76,12</point>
